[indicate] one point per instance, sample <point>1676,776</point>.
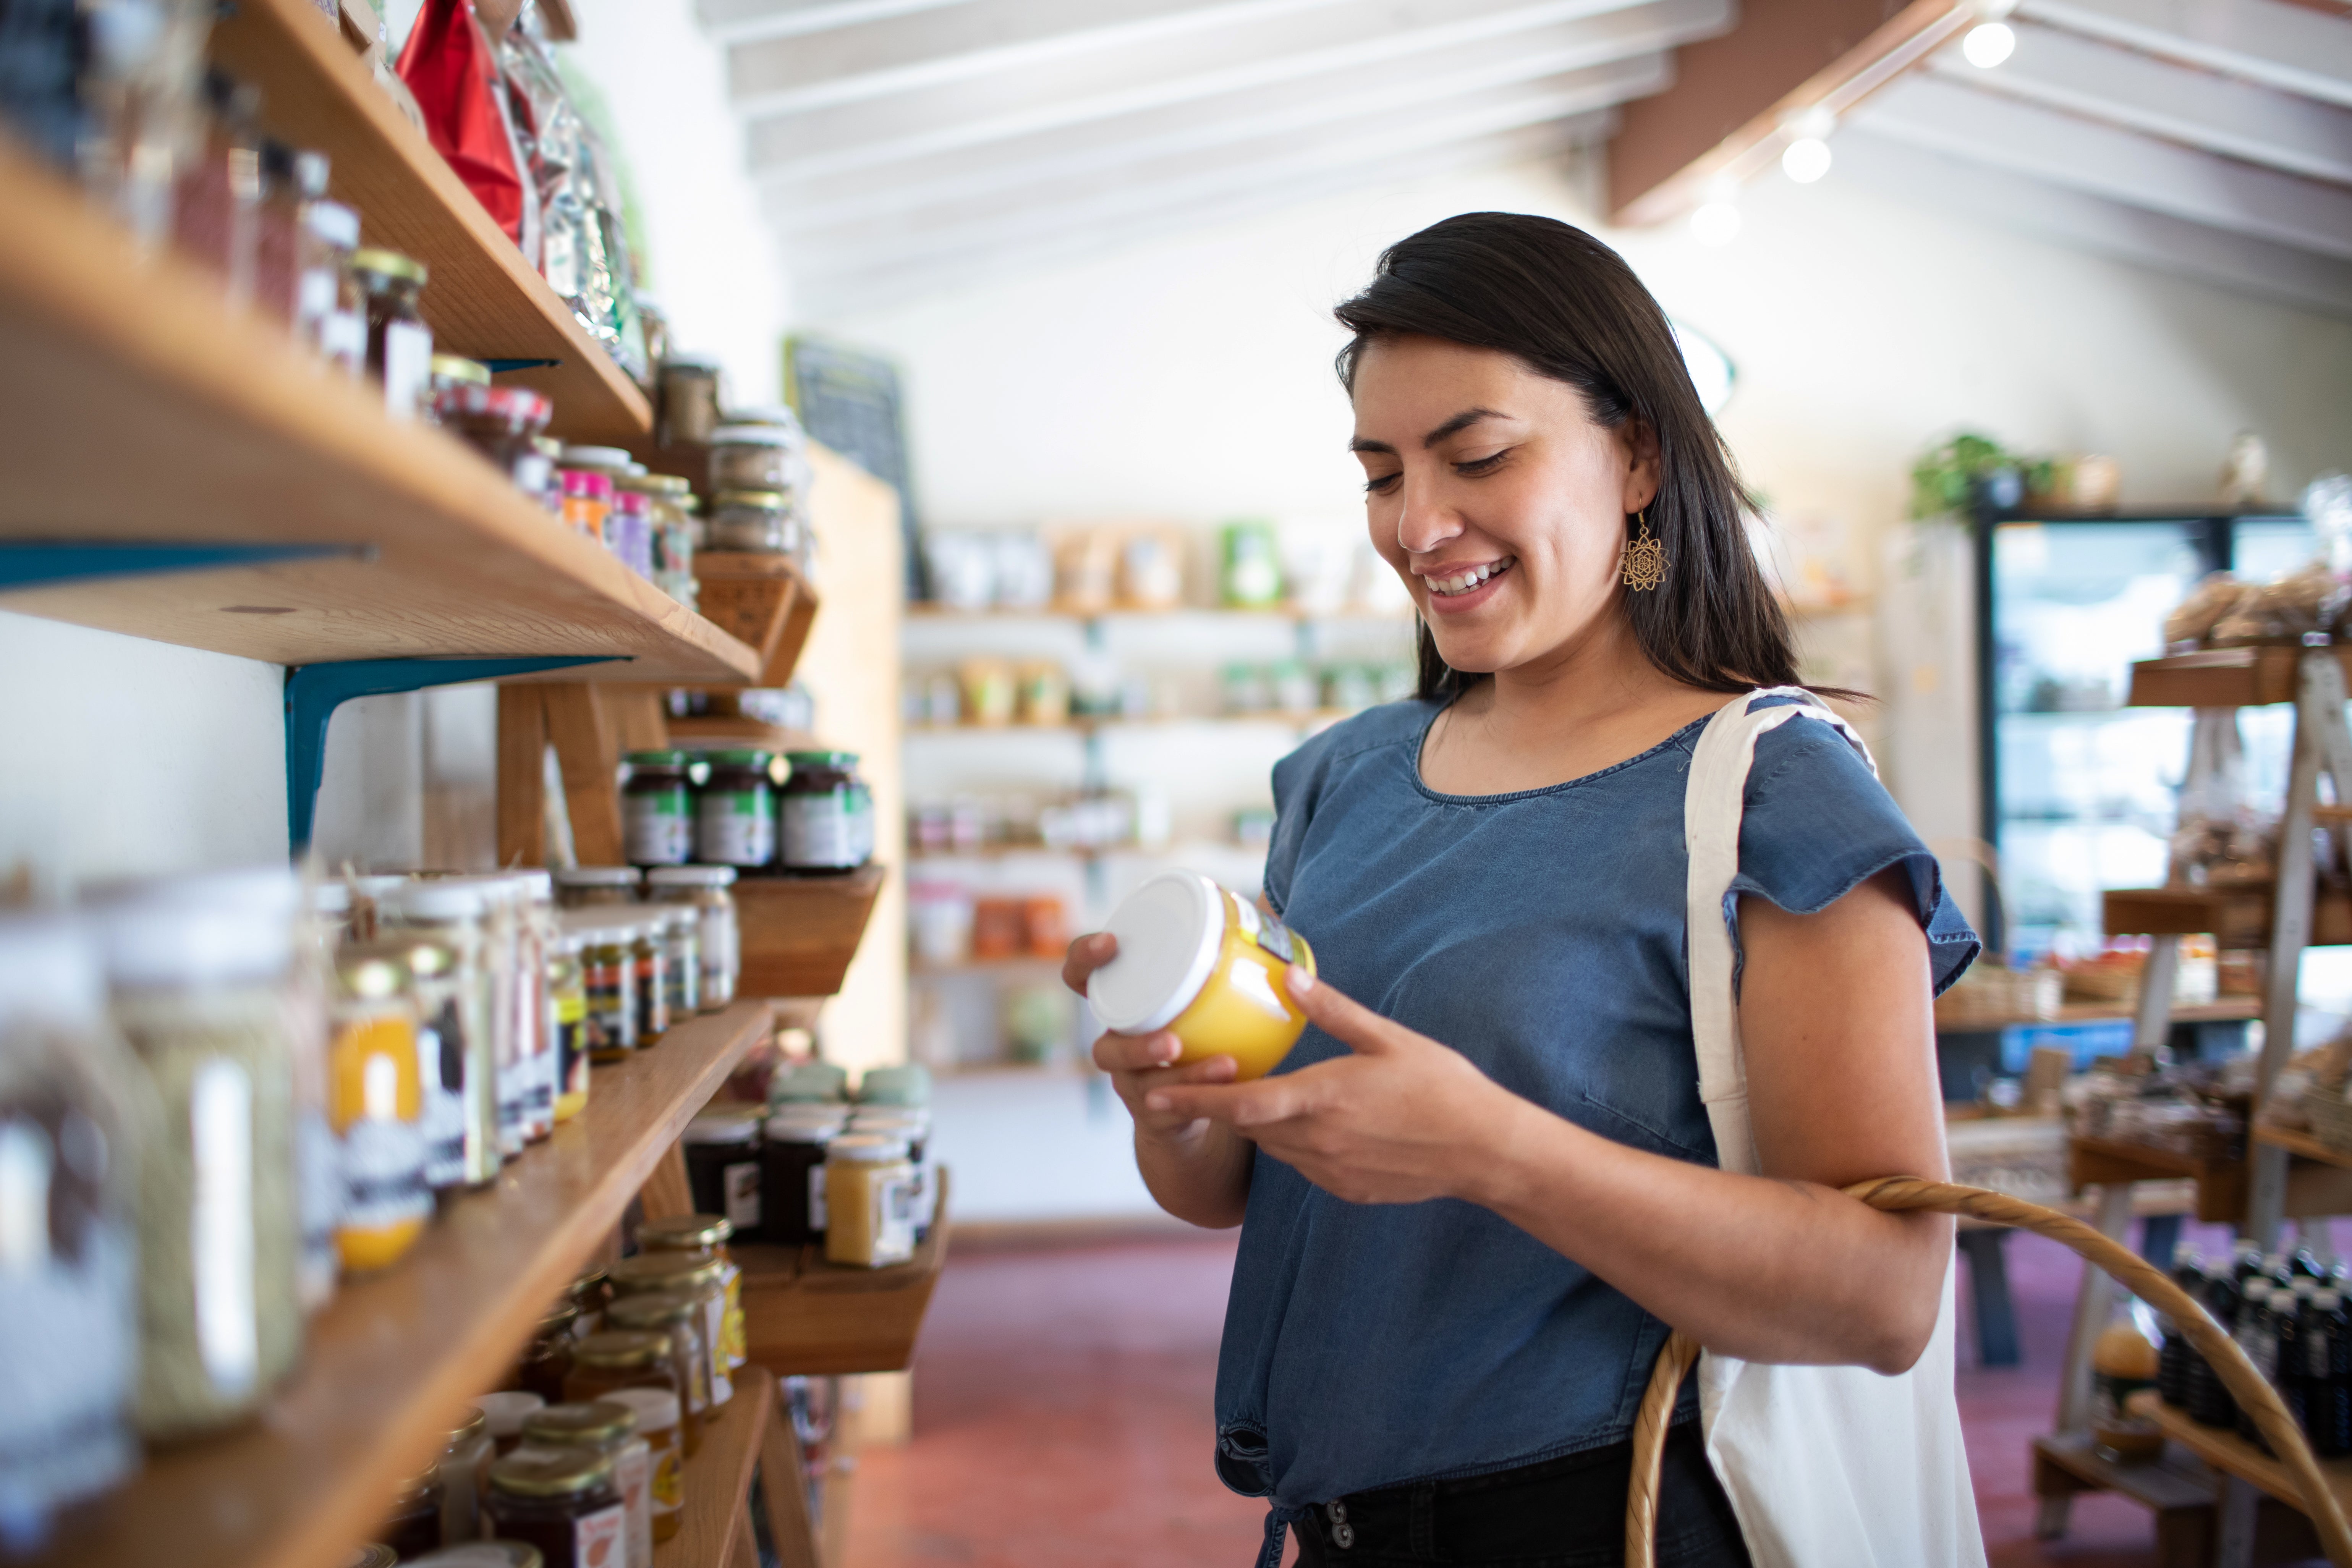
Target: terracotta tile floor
<point>1062,1419</point>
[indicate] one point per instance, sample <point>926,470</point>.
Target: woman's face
<point>1495,497</point>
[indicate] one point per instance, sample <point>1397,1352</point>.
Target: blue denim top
<point>1540,933</point>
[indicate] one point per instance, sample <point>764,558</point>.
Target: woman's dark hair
<point>1568,307</point>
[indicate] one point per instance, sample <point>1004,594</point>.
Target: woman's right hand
<point>1138,1064</point>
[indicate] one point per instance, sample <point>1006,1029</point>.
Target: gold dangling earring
<point>1646,558</point>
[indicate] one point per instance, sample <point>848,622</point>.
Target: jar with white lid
<point>74,1116</point>
<point>870,1195</point>
<point>752,458</point>
<point>199,989</point>
<point>1207,966</point>
<point>705,889</point>
<point>588,886</point>
<point>457,1051</point>
<point>608,977</point>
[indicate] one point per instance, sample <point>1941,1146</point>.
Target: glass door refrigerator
<point>2077,789</point>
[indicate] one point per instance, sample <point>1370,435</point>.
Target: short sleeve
<point>1295,778</point>
<point>1817,824</point>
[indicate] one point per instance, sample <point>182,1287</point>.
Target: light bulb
<point>1807,160</point>
<point>1988,44</point>
<point>1716,223</point>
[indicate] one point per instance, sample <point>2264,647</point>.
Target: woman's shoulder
<point>1374,728</point>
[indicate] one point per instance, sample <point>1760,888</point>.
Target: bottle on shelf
<point>2124,1360</point>
<point>2256,1334</point>
<point>2210,1404</point>
<point>2327,1385</point>
<point>2179,1355</point>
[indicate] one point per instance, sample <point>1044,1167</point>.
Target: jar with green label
<point>657,818</point>
<point>735,816</point>
<point>827,814</point>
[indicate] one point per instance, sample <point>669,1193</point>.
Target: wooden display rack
<point>2285,917</point>
<point>806,1317</point>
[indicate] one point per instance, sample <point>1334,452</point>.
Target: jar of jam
<point>608,979</point>
<point>679,1317</point>
<point>751,458</point>
<point>376,1108</point>
<point>592,1293</point>
<point>758,522</point>
<point>499,422</point>
<point>596,886</point>
<point>415,1527</point>
<point>735,816</point>
<point>503,1414</point>
<point>649,958</point>
<point>587,501</point>
<point>565,1502</point>
<point>703,890</point>
<point>657,816</point>
<point>619,1357</point>
<point>870,1195</point>
<point>609,1429</point>
<point>567,1021</point>
<point>689,402</point>
<point>479,1554</point>
<point>827,811</point>
<point>548,1361</point>
<point>657,1411</point>
<point>695,1273</point>
<point>792,1174</point>
<point>465,1475</point>
<point>399,343</point>
<point>722,1162</point>
<point>705,1233</point>
<point>681,940</point>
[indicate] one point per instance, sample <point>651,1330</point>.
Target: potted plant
<point>1972,470</point>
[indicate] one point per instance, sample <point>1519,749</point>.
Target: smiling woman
<point>1485,1180</point>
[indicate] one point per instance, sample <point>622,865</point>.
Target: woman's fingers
<point>1135,1053</point>
<point>1088,954</point>
<point>1343,1018</point>
<point>1242,1105</point>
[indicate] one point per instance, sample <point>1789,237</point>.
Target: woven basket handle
<point>2144,1279</point>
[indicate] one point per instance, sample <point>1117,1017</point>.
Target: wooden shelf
<point>2237,917</point>
<point>804,1316</point>
<point>799,934</point>
<point>482,299</point>
<point>718,1481</point>
<point>392,1359</point>
<point>761,600</point>
<point>2233,1454</point>
<point>2304,1145</point>
<point>2314,1188</point>
<point>2225,1010</point>
<point>138,409</point>
<point>2220,678</point>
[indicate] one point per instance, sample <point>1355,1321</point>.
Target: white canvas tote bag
<point>1825,1467</point>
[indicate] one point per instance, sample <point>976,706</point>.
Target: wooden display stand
<point>804,1316</point>
<point>2270,1185</point>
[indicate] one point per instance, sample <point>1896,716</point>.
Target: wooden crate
<point>799,934</point>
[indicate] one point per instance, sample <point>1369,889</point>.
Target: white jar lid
<point>50,970</point>
<point>437,900</point>
<point>1168,931</point>
<point>596,458</point>
<point>804,1129</point>
<point>752,435</point>
<point>505,1412</point>
<point>162,941</point>
<point>596,875</point>
<point>691,875</point>
<point>655,1409</point>
<point>865,1149</point>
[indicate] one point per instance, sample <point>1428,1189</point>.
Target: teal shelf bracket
<point>313,692</point>
<point>43,563</point>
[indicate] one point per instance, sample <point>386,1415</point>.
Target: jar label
<point>610,1019</point>
<point>817,1210</point>
<point>441,1069</point>
<point>342,339</point>
<point>741,1183</point>
<point>714,1336</point>
<point>719,961</point>
<point>568,1022</point>
<point>669,1487</point>
<point>633,1476</point>
<point>383,1174</point>
<point>600,1540</point>
<point>893,1219</point>
<point>220,1225</point>
<point>319,1166</point>
<point>407,367</point>
<point>821,831</point>
<point>653,996</point>
<point>654,829</point>
<point>735,828</point>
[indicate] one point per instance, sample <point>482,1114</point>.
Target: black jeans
<point>1568,1512</point>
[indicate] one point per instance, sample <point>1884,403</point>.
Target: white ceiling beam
<point>2118,164</point>
<point>828,289</point>
<point>2154,240</point>
<point>954,43</point>
<point>756,21</point>
<point>1124,206</point>
<point>1397,85</point>
<point>2283,47</point>
<point>1179,162</point>
<point>1048,94</point>
<point>2160,97</point>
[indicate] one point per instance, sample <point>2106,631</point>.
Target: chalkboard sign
<point>849,400</point>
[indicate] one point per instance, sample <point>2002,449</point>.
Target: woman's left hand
<point>1399,1120</point>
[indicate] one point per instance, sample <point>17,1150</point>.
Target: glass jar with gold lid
<point>609,1429</point>
<point>561,1500</point>
<point>705,1233</point>
<point>679,1317</point>
<point>696,1274</point>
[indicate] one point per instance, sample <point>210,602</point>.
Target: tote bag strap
<point>1713,803</point>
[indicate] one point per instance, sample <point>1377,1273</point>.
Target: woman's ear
<point>1637,447</point>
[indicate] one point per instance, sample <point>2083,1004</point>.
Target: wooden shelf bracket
<point>313,692</point>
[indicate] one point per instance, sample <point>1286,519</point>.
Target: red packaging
<point>449,65</point>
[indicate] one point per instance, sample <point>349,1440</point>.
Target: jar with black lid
<point>826,813</point>
<point>792,1174</point>
<point>565,1502</point>
<point>722,1162</point>
<point>547,1362</point>
<point>735,816</point>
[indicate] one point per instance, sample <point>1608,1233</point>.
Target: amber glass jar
<point>592,1293</point>
<point>549,1359</point>
<point>679,1317</point>
<point>610,1429</point>
<point>620,1358</point>
<point>415,1527</point>
<point>705,1233</point>
<point>565,1502</point>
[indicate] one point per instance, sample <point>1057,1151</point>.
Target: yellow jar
<point>1198,961</point>
<point>376,1106</point>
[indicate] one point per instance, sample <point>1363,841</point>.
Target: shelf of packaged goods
<point>2304,1145</point>
<point>804,1317</point>
<point>715,1518</point>
<point>138,411</point>
<point>2237,917</point>
<point>2314,1187</point>
<point>482,299</point>
<point>2234,1456</point>
<point>2224,1010</point>
<point>2220,678</point>
<point>799,934</point>
<point>391,1359</point>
